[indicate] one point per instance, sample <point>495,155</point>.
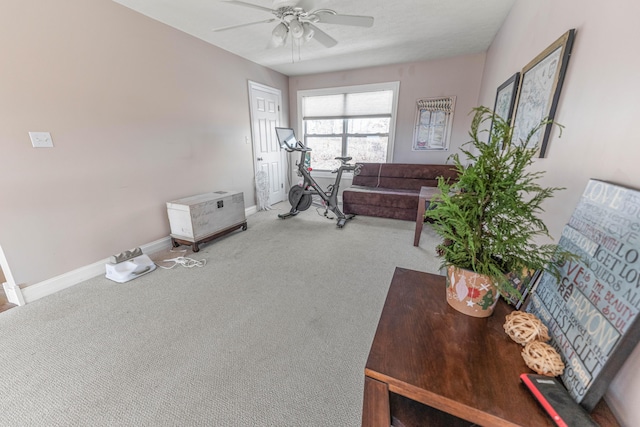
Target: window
<point>355,121</point>
<point>433,123</point>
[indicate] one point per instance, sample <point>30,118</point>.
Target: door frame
<point>274,91</point>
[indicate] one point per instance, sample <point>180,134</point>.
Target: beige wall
<point>140,114</point>
<point>598,108</point>
<point>459,76</point>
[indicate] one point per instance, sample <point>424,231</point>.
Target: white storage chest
<point>201,218</point>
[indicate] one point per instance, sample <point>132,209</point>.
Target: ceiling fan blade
<point>307,4</point>
<point>231,27</point>
<point>323,37</point>
<point>244,3</point>
<point>355,20</point>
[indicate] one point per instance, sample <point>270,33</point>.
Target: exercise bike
<point>301,196</point>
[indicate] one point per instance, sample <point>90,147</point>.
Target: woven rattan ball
<point>543,359</point>
<point>525,327</point>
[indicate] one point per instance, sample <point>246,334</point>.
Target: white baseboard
<point>50,286</point>
<point>13,293</point>
<point>251,210</point>
<point>66,280</point>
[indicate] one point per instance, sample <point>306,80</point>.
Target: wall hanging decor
<point>539,90</point>
<point>433,123</point>
<point>592,313</point>
<point>506,98</point>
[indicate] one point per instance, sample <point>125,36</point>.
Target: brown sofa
<point>391,190</point>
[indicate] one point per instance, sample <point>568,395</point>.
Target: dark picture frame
<point>506,99</point>
<point>539,91</point>
<point>524,282</point>
<point>592,312</point>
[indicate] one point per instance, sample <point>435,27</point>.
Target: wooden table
<point>426,194</point>
<point>430,365</point>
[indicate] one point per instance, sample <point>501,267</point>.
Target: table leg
<point>376,411</point>
<point>422,202</point>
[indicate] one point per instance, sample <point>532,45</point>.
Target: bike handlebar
<point>344,165</point>
<point>298,147</point>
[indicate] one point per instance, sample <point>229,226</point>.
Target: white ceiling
<point>403,31</point>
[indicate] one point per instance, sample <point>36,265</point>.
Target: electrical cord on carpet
<point>183,261</point>
<point>321,206</point>
<point>325,214</point>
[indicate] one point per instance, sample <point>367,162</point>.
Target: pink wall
<point>140,114</point>
<point>459,76</point>
<point>598,108</point>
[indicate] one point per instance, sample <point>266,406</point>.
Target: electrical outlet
<point>41,139</point>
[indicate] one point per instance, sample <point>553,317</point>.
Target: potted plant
<point>488,219</point>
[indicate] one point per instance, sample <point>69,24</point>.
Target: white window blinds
<point>345,105</point>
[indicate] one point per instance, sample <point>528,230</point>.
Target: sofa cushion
<point>402,176</point>
<point>381,211</point>
<point>387,197</point>
<point>381,202</point>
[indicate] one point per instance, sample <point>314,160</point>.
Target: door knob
<point>260,159</point>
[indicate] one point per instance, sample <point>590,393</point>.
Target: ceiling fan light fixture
<point>279,35</point>
<point>296,28</point>
<point>295,19</point>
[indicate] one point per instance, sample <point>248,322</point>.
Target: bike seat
<point>344,159</point>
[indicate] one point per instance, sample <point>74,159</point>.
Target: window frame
<point>375,87</point>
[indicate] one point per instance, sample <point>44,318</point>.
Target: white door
<point>265,116</point>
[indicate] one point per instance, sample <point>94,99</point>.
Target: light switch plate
<point>41,139</point>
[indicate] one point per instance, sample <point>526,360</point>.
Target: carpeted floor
<point>273,331</point>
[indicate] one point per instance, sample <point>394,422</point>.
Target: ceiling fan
<point>295,20</point>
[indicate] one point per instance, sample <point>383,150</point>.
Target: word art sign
<point>592,314</point>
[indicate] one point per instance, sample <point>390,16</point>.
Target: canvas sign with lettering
<point>592,314</point>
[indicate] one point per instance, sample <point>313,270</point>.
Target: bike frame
<point>311,187</point>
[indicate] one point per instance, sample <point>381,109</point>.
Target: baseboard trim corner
<point>13,293</point>
<point>251,210</point>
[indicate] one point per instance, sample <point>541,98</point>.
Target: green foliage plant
<point>489,218</point>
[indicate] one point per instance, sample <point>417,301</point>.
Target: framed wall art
<point>539,91</point>
<point>524,282</point>
<point>433,123</point>
<point>592,312</point>
<point>505,99</point>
